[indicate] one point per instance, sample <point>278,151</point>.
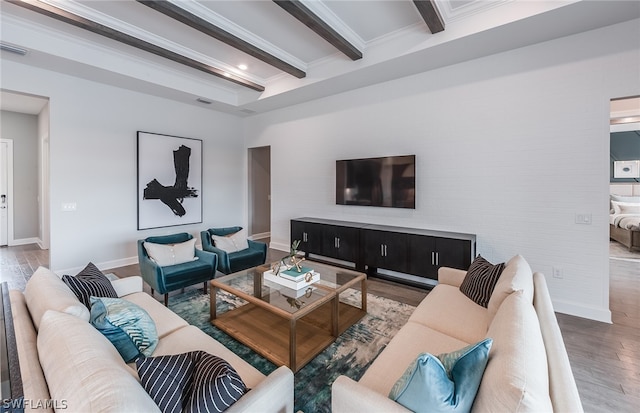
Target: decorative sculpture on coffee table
<point>294,260</point>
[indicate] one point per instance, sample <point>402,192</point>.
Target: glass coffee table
<point>287,327</point>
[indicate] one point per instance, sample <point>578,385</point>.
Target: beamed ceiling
<point>246,57</point>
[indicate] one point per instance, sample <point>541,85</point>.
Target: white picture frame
<point>626,169</point>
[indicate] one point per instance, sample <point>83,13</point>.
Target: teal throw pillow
<point>127,325</point>
<point>444,383</point>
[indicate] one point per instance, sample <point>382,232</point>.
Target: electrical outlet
<point>583,219</point>
<point>557,272</point>
<point>69,207</point>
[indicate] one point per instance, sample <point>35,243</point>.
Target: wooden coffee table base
<point>293,343</point>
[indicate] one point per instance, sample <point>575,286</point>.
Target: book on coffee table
<point>294,285</point>
<point>295,275</point>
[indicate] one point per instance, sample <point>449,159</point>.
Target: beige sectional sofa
<point>67,364</point>
<point>528,368</point>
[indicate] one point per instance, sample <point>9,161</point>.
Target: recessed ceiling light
<point>242,67</point>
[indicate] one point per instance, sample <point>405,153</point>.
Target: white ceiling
<point>392,36</point>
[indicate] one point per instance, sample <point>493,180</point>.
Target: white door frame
<point>9,142</point>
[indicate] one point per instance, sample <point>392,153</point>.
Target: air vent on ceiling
<point>205,101</point>
<point>13,49</point>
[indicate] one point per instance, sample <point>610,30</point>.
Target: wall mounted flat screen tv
<point>384,182</point>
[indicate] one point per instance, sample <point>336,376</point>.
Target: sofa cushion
<point>84,370</point>
<point>480,280</point>
<point>412,340</point>
<point>90,282</point>
<point>517,275</point>
<point>127,326</point>
<point>516,378</point>
<point>449,311</point>
<point>444,383</point>
<point>171,254</point>
<point>165,321</point>
<point>191,338</point>
<point>46,291</point>
<point>190,382</point>
<point>34,384</point>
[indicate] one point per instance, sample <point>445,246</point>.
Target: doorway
<point>259,173</point>
<point>6,192</point>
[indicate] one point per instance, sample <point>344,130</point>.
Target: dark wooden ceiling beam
<point>113,34</point>
<point>208,28</point>
<point>315,23</point>
<point>430,14</point>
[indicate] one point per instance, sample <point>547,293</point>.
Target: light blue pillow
<point>127,326</point>
<point>444,383</point>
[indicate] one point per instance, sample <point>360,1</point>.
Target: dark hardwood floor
<point>605,357</point>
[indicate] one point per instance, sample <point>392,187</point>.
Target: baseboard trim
<point>24,241</point>
<point>279,246</point>
<point>102,266</point>
<point>260,235</point>
<point>591,313</point>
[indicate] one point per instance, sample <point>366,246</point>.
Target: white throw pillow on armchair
<point>232,242</point>
<point>172,254</point>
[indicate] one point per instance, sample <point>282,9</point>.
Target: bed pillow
<point>480,280</point>
<point>443,383</point>
<point>626,207</point>
<point>190,382</point>
<point>90,282</point>
<point>127,326</point>
<point>172,254</point>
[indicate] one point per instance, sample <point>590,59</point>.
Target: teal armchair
<point>174,277</point>
<point>232,262</point>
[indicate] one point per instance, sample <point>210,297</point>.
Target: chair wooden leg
<point>152,292</point>
<point>182,291</point>
<point>205,287</point>
<point>166,299</point>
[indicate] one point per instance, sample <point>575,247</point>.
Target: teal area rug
<point>350,355</point>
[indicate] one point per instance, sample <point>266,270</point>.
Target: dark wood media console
<point>417,252</point>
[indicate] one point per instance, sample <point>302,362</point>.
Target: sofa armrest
<point>127,285</point>
<point>273,394</point>
<point>348,396</point>
<point>451,276</point>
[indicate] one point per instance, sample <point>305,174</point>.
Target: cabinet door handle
<point>382,250</point>
<point>338,242</point>
<point>433,259</point>
<point>437,258</point>
<point>385,250</point>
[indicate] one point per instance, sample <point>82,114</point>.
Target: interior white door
<point>4,189</point>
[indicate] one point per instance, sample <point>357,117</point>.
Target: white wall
<point>93,163</point>
<point>23,130</point>
<point>509,147</point>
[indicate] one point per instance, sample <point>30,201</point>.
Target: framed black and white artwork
<point>169,180</point>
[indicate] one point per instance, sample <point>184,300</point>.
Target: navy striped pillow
<point>480,280</point>
<point>90,282</point>
<point>191,382</point>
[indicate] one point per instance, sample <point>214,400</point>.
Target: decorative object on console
<point>444,383</point>
<point>480,280</point>
<point>252,255</point>
<point>190,382</point>
<point>169,180</point>
<point>89,282</point>
<point>127,326</point>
